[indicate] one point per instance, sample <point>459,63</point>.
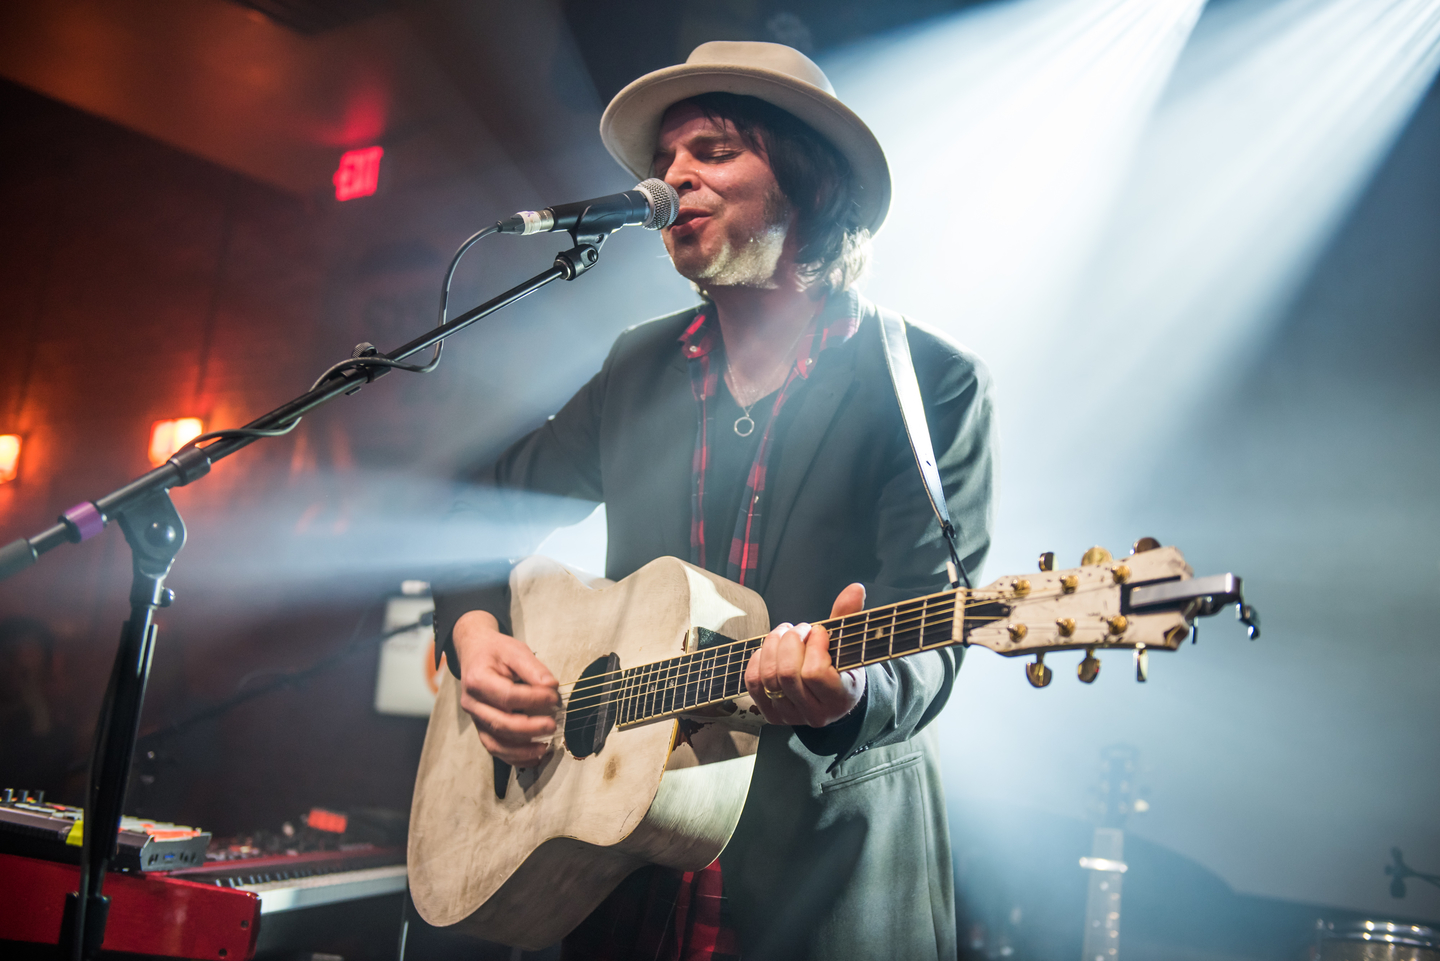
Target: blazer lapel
<point>818,403</point>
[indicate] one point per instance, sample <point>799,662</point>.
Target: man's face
<point>733,220</point>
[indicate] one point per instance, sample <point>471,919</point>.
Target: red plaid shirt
<point>699,343</point>
<point>659,914</point>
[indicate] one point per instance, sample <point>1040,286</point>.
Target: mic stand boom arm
<point>155,533</point>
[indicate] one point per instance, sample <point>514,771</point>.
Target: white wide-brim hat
<point>772,72</point>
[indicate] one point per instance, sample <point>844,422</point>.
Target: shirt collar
<point>836,323</point>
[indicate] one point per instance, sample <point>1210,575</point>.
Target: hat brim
<point>631,123</point>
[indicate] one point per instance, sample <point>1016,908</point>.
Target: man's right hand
<point>510,695</point>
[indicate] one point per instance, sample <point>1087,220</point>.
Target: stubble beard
<point>752,263</point>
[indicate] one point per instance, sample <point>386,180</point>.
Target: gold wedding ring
<point>774,695</point>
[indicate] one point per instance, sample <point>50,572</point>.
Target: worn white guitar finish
<point>521,857</point>
<point>526,868</point>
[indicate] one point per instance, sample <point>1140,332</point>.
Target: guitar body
<point>573,828</point>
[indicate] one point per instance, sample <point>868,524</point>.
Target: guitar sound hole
<point>591,711</point>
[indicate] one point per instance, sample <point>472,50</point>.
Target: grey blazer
<point>843,849</point>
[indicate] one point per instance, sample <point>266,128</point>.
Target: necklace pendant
<point>749,427</point>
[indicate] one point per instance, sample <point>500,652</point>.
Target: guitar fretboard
<point>717,674</point>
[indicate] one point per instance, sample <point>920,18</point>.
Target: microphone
<point>652,204</point>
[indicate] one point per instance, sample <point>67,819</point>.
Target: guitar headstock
<point>1143,602</point>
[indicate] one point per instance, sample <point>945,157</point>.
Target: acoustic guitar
<point>656,736</point>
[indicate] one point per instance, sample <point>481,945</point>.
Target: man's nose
<point>681,175</point>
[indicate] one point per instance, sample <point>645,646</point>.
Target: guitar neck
<point>716,673</point>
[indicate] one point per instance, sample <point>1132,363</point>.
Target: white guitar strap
<point>912,412</point>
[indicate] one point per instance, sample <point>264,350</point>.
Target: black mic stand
<point>155,533</point>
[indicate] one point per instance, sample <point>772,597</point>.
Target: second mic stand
<point>155,533</point>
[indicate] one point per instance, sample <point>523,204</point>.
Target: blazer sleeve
<point>550,478</point>
<point>904,695</point>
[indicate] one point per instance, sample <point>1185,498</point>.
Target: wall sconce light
<point>9,457</point>
<point>168,436</point>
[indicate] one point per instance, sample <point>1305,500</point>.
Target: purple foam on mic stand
<point>85,518</point>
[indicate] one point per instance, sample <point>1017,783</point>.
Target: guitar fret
<point>702,678</point>
<point>735,670</point>
<point>849,647</point>
<point>672,685</point>
<point>682,681</point>
<point>868,641</point>
<point>627,709</point>
<point>905,635</point>
<point>692,681</point>
<point>712,670</point>
<point>686,697</point>
<point>648,709</point>
<point>633,696</point>
<point>666,701</point>
<point>697,673</point>
<point>621,703</point>
<point>943,629</point>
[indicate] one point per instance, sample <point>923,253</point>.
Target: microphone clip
<point>584,255</point>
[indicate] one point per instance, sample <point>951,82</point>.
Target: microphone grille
<point>664,203</point>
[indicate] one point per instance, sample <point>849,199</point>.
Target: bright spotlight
<point>1009,129</point>
<point>1278,117</point>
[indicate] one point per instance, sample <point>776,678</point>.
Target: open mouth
<point>689,216</point>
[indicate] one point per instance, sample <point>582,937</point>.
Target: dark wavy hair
<point>834,247</point>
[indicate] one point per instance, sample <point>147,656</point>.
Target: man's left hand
<point>792,678</point>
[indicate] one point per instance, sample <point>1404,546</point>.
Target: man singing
<point>758,435</point>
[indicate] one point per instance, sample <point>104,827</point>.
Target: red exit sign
<point>358,174</point>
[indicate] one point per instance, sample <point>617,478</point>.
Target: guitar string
<point>899,636</point>
<point>660,693</point>
<point>648,714</point>
<point>900,631</point>
<point>687,679</point>
<point>896,629</point>
<point>933,603</point>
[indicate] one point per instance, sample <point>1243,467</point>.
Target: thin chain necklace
<point>745,424</point>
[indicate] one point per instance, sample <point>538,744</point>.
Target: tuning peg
<point>1096,556</point>
<point>1047,561</point>
<point>1142,663</point>
<point>1038,674</point>
<point>1144,544</point>
<point>1247,616</point>
<point>1089,668</point>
